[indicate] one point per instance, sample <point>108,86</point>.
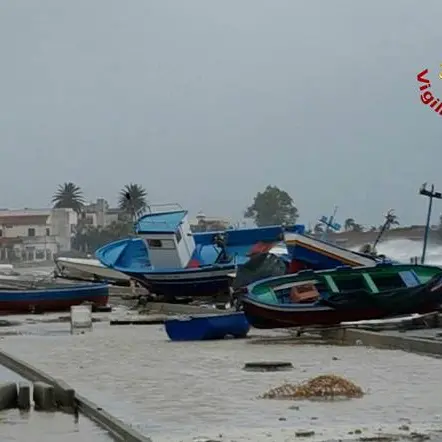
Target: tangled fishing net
<point>320,387</point>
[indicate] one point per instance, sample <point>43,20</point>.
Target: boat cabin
<point>168,238</point>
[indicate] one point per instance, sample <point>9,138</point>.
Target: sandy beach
<point>196,391</point>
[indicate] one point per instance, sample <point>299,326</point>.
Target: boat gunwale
<point>270,283</point>
<point>296,306</point>
<point>366,269</point>
<point>74,289</point>
<point>201,316</point>
<point>169,271</point>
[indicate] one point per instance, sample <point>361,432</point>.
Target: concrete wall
<point>37,248</point>
<point>63,222</point>
<point>118,429</point>
<point>384,339</point>
<point>24,230</point>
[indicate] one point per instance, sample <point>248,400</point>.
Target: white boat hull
<point>87,269</point>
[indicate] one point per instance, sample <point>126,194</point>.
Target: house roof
<point>161,222</point>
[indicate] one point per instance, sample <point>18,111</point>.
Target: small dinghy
<point>205,327</point>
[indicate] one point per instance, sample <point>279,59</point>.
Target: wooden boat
<point>87,269</point>
<point>205,327</point>
<point>317,254</point>
<point>341,295</point>
<point>52,297</point>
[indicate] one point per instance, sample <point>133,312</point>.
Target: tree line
<point>275,206</point>
<point>272,206</point>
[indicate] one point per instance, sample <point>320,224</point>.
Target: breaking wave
<point>403,249</point>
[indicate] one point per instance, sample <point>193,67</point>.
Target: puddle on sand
<point>19,426</point>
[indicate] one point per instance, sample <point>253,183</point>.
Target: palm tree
<point>68,196</point>
<point>349,223</point>
<point>393,220</point>
<point>133,199</point>
<point>357,227</point>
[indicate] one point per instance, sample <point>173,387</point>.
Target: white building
<point>35,234</point>
<point>203,223</point>
<point>99,214</point>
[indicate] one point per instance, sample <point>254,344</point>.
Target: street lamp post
<point>430,194</point>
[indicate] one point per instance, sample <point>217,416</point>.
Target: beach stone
<point>8,395</point>
<point>44,396</point>
<point>7,323</point>
<point>24,396</point>
<point>268,366</point>
<point>304,433</point>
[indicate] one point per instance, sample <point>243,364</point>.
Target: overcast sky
<point>206,102</point>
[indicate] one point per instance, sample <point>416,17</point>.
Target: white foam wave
<point>403,249</point>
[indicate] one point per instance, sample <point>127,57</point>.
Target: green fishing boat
<point>343,294</point>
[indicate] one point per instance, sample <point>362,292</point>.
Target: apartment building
<point>35,234</point>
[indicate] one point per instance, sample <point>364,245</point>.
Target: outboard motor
<point>259,266</point>
<point>219,240</point>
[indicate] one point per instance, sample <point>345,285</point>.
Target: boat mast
<point>329,223</point>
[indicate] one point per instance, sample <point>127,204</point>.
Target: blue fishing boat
<point>198,328</point>
<point>52,297</point>
<point>317,254</point>
<point>308,252</point>
<point>170,260</point>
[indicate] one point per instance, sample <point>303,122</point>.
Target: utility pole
<point>389,218</point>
<point>430,194</point>
<point>329,223</point>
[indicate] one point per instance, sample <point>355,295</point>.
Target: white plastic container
<point>81,318</point>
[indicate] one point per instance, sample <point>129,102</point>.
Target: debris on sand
<point>320,387</point>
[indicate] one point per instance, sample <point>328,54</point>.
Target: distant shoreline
<point>414,233</point>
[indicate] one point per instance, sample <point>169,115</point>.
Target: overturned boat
<point>207,327</point>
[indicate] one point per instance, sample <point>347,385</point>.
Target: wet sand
<point>182,391</point>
